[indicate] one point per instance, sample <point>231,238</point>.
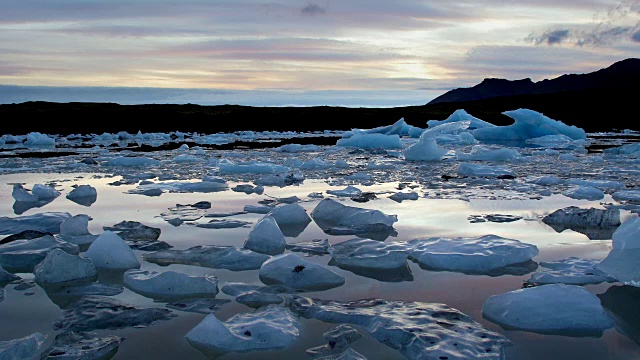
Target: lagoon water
<point>448,205</point>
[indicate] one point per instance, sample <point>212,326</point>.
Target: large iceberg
<point>557,309</point>
<point>528,124</point>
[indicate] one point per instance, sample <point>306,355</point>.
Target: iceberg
<point>299,274</point>
<point>627,235</point>
<point>170,284</point>
<point>269,327</point>
<point>461,115</point>
<point>266,237</point>
<point>369,254</point>
<point>557,309</point>
<point>371,141</point>
<point>528,124</point>
<point>83,195</point>
<point>426,149</point>
<point>332,214</point>
<point>110,251</point>
<point>58,267</point>
<point>597,224</point>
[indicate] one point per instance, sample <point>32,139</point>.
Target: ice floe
<point>170,284</point>
<point>369,254</point>
<point>487,254</point>
<point>269,327</point>
<point>584,193</point>
<point>211,256</point>
<point>299,274</point>
<point>418,330</point>
<point>46,222</point>
<point>557,309</point>
<point>627,195</point>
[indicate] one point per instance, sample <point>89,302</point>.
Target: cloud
<point>620,22</point>
<point>312,9</point>
<point>636,36</point>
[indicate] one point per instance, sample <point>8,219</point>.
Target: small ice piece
<point>314,247</point>
<point>597,224</point>
<point>24,255</point>
<point>211,256</point>
<point>256,299</point>
<point>627,236</point>
<point>426,149</point>
<point>100,312</point>
<point>258,209</point>
<point>418,330</point>
<point>484,153</point>
<point>299,274</point>
<point>348,191</point>
<point>26,348</point>
<point>363,140</point>
<point>61,268</point>
<point>170,284</point>
<point>84,195</point>
<point>266,237</point>
<point>281,180</point>
<point>77,225</point>
<point>481,170</point>
<point>316,163</point>
<point>110,251</point>
<point>369,254</point>
<point>248,189</point>
<point>470,254</point>
<point>557,309</point>
<point>82,345</point>
<point>6,277</point>
<point>584,193</point>
<point>597,183</point>
<point>331,214</point>
<point>546,180</point>
<point>269,327</point>
<point>626,195</point>
<point>401,196</point>
<point>571,271</point>
<point>290,214</point>
<point>133,161</point>
<point>528,124</point>
<point>44,192</point>
<point>46,222</point>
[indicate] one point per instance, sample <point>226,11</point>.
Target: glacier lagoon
<point>426,243</point>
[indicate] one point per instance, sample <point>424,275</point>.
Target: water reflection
<point>19,207</point>
<point>622,304</point>
<point>400,274</point>
<point>519,269</point>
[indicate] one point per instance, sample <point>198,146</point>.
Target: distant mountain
<point>623,74</point>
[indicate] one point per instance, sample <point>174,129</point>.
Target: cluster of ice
<point>82,345</point>
<point>229,167</point>
<point>129,161</point>
<point>39,192</point>
<point>299,274</point>
<point>38,139</point>
<point>558,309</point>
<point>269,327</point>
<point>211,256</point>
<point>24,255</point>
<point>266,237</point>
<point>486,254</point>
<point>418,330</point>
<point>170,284</point>
<point>110,251</point>
<point>26,348</point>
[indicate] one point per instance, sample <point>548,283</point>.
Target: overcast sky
<point>296,52</point>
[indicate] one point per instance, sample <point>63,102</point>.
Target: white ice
<point>528,124</point>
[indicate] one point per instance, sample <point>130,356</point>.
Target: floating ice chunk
<point>338,340</point>
<point>294,148</point>
<point>26,348</point>
<point>24,255</point>
<point>83,195</point>
<point>38,139</point>
<point>290,214</point>
<point>627,236</point>
<point>626,195</point>
<point>100,312</point>
<point>470,254</point>
<point>258,209</point>
<point>316,163</point>
<point>198,305</point>
<point>44,192</point>
<point>252,168</point>
<point>82,345</point>
<point>371,141</point>
<point>597,224</point>
<point>314,247</point>
<point>266,237</point>
<point>622,265</point>
<point>256,299</point>
<point>401,196</point>
<point>269,327</point>
<point>546,180</point>
<point>46,222</point>
<point>599,184</point>
<point>484,153</point>
<point>211,256</point>
<point>584,193</point>
<point>170,284</point>
<point>224,224</point>
<point>19,193</point>
<point>110,251</point>
<point>350,190</point>
<point>330,213</point>
<point>248,189</point>
<point>481,170</point>
<point>459,116</point>
<point>418,330</point>
<point>283,179</point>
<point>77,225</point>
<point>299,274</point>
<point>557,309</point>
<point>426,149</point>
<point>369,254</point>
<point>133,161</point>
<point>58,267</point>
<point>572,271</point>
<point>528,124</point>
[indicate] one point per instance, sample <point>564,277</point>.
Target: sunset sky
<point>293,52</point>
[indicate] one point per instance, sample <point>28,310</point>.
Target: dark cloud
<point>636,36</point>
<point>550,37</point>
<point>313,9</point>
